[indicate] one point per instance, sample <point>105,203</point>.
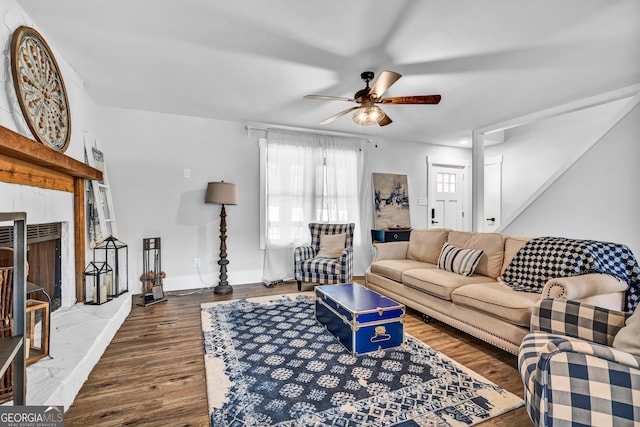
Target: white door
<point>446,200</point>
<point>492,193</point>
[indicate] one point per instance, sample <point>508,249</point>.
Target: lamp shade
<point>222,193</point>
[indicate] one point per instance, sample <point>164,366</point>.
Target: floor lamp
<point>222,193</point>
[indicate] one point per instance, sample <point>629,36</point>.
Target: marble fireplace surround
<point>79,333</point>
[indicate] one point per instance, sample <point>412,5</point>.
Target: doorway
<point>447,186</point>
<point>492,193</point>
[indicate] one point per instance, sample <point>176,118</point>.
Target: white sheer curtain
<point>313,178</point>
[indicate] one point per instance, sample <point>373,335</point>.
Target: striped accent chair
<point>571,374</point>
<point>324,271</point>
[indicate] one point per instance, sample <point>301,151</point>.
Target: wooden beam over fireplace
<point>27,162</point>
<point>16,146</point>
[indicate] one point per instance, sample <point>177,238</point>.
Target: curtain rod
<point>263,127</point>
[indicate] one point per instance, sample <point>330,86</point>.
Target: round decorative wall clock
<point>40,89</point>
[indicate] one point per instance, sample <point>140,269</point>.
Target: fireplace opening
<point>44,256</point>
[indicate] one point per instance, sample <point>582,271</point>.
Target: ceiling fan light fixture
<point>367,116</point>
<point>368,113</point>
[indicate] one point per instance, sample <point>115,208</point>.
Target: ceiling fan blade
<point>329,98</point>
<point>421,99</point>
<point>384,82</point>
<point>337,116</point>
<point>386,120</point>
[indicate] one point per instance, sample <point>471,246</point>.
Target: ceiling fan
<point>368,113</point>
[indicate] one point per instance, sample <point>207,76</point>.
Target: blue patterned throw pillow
<point>458,260</point>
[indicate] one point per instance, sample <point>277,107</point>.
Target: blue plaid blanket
<point>546,258</point>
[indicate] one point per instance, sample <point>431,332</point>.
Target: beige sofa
<point>480,304</point>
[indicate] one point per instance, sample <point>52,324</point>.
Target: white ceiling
<point>254,60</point>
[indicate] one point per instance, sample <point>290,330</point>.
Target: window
<point>445,182</point>
<point>307,177</point>
<point>308,183</point>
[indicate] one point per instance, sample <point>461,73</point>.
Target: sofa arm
<point>610,354</point>
<point>579,383</point>
<point>346,265</point>
<point>574,319</point>
<point>303,253</point>
<point>391,250</point>
<point>583,286</point>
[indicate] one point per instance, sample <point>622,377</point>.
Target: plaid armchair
<point>571,374</point>
<point>324,271</point>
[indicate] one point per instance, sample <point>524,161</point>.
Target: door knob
<point>492,219</point>
<point>433,216</point>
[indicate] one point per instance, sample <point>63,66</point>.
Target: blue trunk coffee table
<point>362,320</point>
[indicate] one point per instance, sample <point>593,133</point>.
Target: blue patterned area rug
<point>269,362</point>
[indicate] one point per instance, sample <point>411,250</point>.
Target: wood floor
<point>152,373</point>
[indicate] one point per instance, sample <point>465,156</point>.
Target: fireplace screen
<point>44,280</point>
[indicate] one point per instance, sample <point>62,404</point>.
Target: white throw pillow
<point>458,260</point>
<point>627,337</point>
<point>331,245</point>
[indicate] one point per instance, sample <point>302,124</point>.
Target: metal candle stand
<point>107,276</point>
<point>116,254</point>
<point>97,279</point>
<point>152,274</point>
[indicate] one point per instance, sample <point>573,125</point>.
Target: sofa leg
<point>425,318</point>
<point>299,285</point>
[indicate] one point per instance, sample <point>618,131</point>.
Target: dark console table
<point>390,235</point>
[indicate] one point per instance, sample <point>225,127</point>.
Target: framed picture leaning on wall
<point>391,201</point>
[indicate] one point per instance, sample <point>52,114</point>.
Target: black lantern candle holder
<point>152,274</point>
<point>97,277</point>
<point>116,254</point>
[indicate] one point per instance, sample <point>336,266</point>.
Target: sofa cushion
<point>438,282</point>
<point>393,268</point>
<point>498,300</point>
<point>425,245</point>
<point>492,244</point>
<point>458,260</point>
<point>511,247</point>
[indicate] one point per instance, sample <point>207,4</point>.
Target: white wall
<point>146,155</point>
<point>533,153</point>
<point>410,158</point>
<point>597,198</point>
